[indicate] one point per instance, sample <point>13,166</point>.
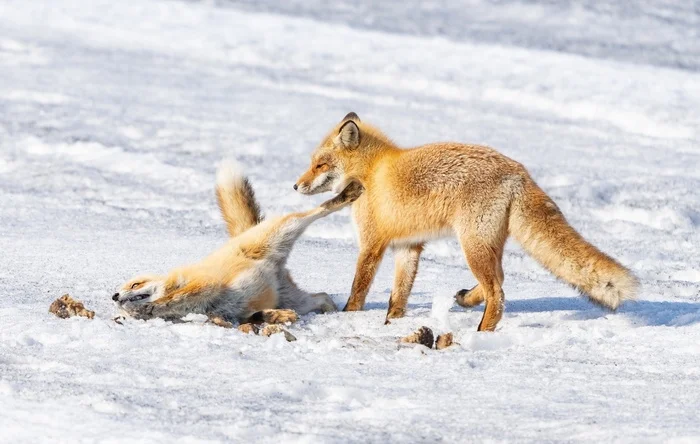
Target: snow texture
<point>114,114</point>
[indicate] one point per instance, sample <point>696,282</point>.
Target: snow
<point>113,116</point>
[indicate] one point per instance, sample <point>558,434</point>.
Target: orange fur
<point>246,275</point>
<point>267,299</point>
<point>236,200</point>
<point>471,191</point>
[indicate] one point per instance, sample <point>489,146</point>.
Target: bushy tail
<point>236,199</point>
<point>538,224</point>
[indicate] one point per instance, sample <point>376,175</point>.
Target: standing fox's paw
<point>394,313</point>
<point>469,298</point>
<point>276,316</point>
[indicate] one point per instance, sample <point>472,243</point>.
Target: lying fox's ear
<point>348,135</point>
<point>351,116</point>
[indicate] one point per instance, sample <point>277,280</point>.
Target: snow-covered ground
<point>113,115</point>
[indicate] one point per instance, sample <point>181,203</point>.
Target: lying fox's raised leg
<point>279,235</point>
<point>278,239</point>
<point>294,298</point>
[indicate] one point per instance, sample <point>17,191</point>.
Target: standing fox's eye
<point>320,165</point>
<point>135,285</point>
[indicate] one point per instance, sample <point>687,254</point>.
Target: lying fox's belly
<point>267,299</point>
<point>250,291</point>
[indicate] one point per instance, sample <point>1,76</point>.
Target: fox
<point>473,192</point>
<point>245,280</point>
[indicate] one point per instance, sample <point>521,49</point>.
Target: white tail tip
<point>228,173</point>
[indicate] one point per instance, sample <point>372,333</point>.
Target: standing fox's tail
<point>540,227</point>
<point>236,199</point>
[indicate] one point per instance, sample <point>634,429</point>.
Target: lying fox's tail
<point>236,199</point>
<point>539,226</point>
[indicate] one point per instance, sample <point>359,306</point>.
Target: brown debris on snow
<point>248,328</point>
<point>66,307</point>
<point>443,341</point>
<point>423,336</point>
<point>219,321</point>
<point>272,329</point>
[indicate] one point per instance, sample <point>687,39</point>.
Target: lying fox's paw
<point>326,304</point>
<point>276,316</point>
<point>349,195</point>
<point>352,192</point>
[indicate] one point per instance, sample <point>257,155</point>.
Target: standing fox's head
<point>343,156</point>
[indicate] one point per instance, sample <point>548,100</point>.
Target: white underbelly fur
<point>422,238</point>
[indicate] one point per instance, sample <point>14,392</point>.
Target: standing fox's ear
<point>351,116</point>
<point>348,135</point>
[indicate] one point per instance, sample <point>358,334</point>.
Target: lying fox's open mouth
<point>136,297</point>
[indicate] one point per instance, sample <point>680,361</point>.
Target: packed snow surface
<point>113,115</point>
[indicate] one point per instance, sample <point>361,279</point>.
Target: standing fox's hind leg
<point>482,240</point>
<point>484,260</point>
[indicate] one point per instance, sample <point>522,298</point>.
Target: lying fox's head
<point>341,157</point>
<point>145,288</point>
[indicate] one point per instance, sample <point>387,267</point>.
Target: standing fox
<point>472,191</point>
<point>246,276</point>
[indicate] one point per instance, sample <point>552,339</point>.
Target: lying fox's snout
<point>138,289</point>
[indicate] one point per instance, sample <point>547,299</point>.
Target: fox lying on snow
<point>472,191</point>
<point>245,277</point>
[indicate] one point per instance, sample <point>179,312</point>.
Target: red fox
<point>246,276</point>
<point>481,196</point>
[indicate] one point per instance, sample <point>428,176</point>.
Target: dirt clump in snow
<point>220,321</point>
<point>248,328</point>
<point>443,341</point>
<point>272,329</point>
<point>66,307</point>
<point>423,336</point>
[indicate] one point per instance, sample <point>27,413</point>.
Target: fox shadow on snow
<point>650,313</point>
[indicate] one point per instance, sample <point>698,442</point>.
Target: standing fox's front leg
<point>367,264</point>
<point>371,251</point>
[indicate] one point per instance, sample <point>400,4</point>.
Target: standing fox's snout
<point>321,177</point>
